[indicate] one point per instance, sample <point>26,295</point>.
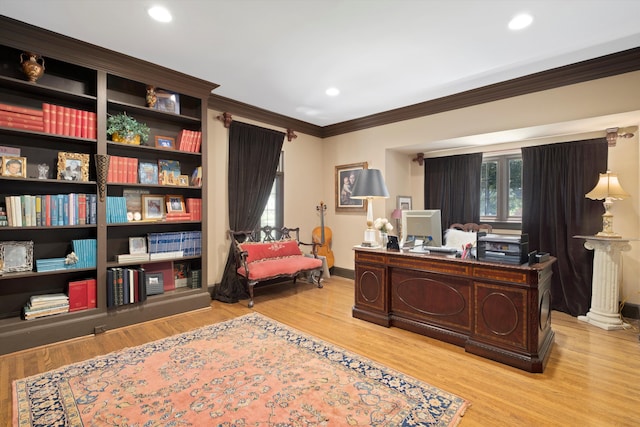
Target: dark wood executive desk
<point>498,311</point>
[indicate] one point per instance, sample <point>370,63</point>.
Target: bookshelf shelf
<point>79,78</point>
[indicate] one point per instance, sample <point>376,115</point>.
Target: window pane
<point>489,188</point>
<point>515,188</point>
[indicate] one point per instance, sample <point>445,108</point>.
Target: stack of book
<point>52,264</point>
<point>125,286</point>
<point>4,220</point>
<point>82,294</point>
<point>189,140</point>
<point>189,242</point>
<point>28,210</point>
<point>17,117</point>
<point>195,279</point>
<point>86,250</point>
<point>116,210</point>
<point>67,121</point>
<point>194,207</point>
<point>121,258</point>
<point>123,169</point>
<point>46,305</point>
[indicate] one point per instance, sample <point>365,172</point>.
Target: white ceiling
<point>281,55</point>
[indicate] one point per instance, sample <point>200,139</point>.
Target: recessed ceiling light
<point>333,91</point>
<point>160,14</point>
<point>520,21</point>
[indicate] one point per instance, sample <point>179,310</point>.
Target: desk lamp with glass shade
<point>608,189</point>
<point>368,186</point>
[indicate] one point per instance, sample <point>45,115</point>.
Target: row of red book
<point>54,119</point>
<point>189,140</point>
<point>82,294</point>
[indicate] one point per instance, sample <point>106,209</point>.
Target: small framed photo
<point>73,166</point>
<point>346,176</point>
<point>14,166</point>
<point>137,245</point>
<point>152,206</point>
<point>16,256</point>
<point>175,203</point>
<point>167,101</point>
<point>183,180</point>
<point>165,142</point>
<point>404,203</point>
<point>148,172</point>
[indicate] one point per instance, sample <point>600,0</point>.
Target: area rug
<point>248,371</point>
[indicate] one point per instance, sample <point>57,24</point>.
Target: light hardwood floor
<point>592,378</point>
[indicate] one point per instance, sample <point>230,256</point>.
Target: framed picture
<point>133,199</point>
<point>148,172</point>
<point>168,171</point>
<point>73,166</point>
<point>152,206</point>
<point>137,245</point>
<point>14,166</point>
<point>165,142</point>
<point>175,203</point>
<point>404,203</point>
<point>346,176</point>
<point>16,256</point>
<point>183,180</point>
<point>154,283</point>
<point>167,101</point>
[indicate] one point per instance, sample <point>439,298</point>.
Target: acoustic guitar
<point>323,236</point>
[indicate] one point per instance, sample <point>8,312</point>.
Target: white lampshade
<point>608,189</point>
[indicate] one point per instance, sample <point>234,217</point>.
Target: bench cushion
<point>286,266</point>
<point>281,248</point>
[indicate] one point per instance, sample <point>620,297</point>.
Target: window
<point>501,188</point>
<point>273,213</point>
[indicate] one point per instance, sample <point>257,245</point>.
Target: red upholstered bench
<point>260,259</point>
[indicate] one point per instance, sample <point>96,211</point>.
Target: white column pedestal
<point>605,285</point>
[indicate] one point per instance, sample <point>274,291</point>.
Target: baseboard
<point>343,272</point>
<point>631,311</point>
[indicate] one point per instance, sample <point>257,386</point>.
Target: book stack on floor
<point>46,305</point>
<point>13,116</point>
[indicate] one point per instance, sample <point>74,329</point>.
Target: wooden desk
<point>498,311</point>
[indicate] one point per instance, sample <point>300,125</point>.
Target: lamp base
<point>609,235</point>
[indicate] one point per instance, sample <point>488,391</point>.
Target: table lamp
<point>608,189</point>
<point>368,186</point>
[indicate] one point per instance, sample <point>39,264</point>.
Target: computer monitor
<point>422,225</point>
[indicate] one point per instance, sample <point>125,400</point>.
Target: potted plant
<point>124,128</point>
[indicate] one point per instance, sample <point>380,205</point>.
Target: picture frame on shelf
<point>167,101</point>
<point>153,206</point>
<point>148,173</point>
<point>14,166</point>
<point>175,203</point>
<point>404,203</point>
<point>16,256</point>
<point>154,282</point>
<point>137,245</point>
<point>183,180</point>
<point>165,142</point>
<point>168,172</point>
<point>345,178</point>
<point>73,166</point>
<point>133,200</point>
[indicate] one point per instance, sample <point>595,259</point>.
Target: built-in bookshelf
<point>73,207</point>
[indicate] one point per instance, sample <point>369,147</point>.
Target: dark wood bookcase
<point>86,77</point>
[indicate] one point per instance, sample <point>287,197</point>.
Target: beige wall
<point>310,162</point>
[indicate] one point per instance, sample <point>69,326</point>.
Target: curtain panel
<point>452,184</point>
<point>555,179</point>
<point>254,153</point>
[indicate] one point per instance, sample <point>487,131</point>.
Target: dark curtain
<point>254,153</point>
<point>555,179</point>
<point>452,184</point>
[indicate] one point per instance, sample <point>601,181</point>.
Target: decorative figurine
<point>43,171</point>
<point>151,96</point>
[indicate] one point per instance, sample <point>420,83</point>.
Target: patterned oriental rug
<point>249,371</point>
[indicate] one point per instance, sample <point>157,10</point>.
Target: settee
<point>270,253</point>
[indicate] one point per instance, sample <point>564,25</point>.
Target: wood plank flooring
<point>592,378</point>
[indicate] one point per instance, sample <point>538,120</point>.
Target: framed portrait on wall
<point>404,203</point>
<point>346,176</point>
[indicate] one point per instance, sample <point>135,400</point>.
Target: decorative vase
<point>31,67</point>
<point>384,238</point>
<point>126,139</point>
<point>102,169</point>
